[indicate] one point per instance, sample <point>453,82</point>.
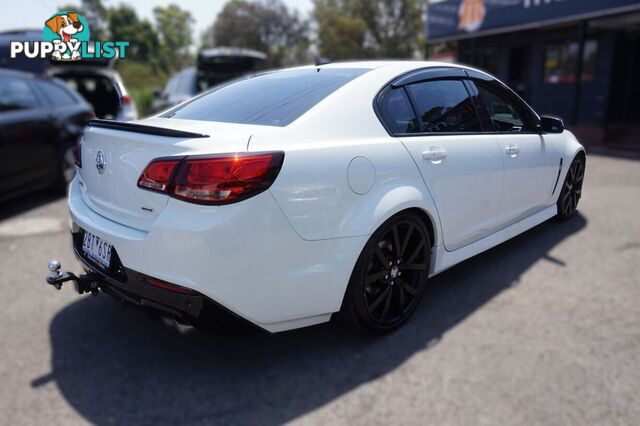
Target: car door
<point>461,167</point>
<point>24,126</point>
<point>530,164</point>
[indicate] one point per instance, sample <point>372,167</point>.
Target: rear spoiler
<point>141,128</point>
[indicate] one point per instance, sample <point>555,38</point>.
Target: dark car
<point>20,62</point>
<point>41,121</point>
<point>214,66</point>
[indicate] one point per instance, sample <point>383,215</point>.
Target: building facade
<point>577,59</point>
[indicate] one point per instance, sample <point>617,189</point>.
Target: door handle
<point>435,154</point>
<point>512,150</point>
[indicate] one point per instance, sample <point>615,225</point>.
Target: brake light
<point>125,100</point>
<point>157,176</point>
<point>214,179</point>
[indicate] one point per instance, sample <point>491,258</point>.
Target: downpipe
<point>86,283</point>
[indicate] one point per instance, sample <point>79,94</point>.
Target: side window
<point>57,95</point>
<point>171,86</point>
<point>16,94</point>
<point>396,112</point>
<point>187,84</point>
<point>444,106</point>
<point>500,109</point>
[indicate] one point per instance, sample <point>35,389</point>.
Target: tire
<point>379,298</point>
<point>571,189</point>
<point>65,169</point>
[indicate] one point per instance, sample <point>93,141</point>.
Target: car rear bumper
<point>245,257</point>
<point>133,287</point>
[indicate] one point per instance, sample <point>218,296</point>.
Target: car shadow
<point>116,366</point>
<point>19,205</point>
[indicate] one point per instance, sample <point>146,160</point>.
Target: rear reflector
<point>168,286</point>
<point>214,179</point>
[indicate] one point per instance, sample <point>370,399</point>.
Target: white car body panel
<point>245,256</point>
<point>471,174</point>
<point>529,176</point>
<point>282,259</point>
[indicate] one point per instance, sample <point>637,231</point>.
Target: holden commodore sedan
<point>292,196</point>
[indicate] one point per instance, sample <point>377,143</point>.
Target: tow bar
<point>86,283</point>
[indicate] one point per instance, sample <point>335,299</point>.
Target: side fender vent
<point>557,177</point>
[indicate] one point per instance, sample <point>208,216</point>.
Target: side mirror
<point>550,124</point>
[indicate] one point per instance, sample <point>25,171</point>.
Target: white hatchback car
<point>292,195</point>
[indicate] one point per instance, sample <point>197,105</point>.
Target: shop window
<point>561,62</point>
<point>487,59</point>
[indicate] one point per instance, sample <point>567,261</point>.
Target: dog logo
<point>66,29</point>
<point>472,14</point>
<point>66,37</point>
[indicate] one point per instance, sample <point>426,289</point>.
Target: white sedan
<point>293,195</point>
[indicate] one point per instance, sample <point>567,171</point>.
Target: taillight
<point>157,176</point>
<point>214,179</point>
<point>125,100</point>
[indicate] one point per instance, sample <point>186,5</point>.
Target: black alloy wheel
<point>390,275</point>
<point>571,190</point>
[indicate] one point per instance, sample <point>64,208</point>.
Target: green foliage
<point>174,27</point>
<point>264,25</point>
<point>96,15</point>
<point>141,81</point>
<point>124,24</point>
<point>352,29</point>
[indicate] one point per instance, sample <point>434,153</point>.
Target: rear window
<point>272,99</point>
<point>57,95</point>
<point>90,86</point>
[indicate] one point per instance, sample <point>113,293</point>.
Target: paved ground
<point>544,329</point>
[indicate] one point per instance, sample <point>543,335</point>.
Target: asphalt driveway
<point>544,329</point>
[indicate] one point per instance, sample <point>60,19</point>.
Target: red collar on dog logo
<point>66,37</point>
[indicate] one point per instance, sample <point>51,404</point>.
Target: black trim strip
<point>558,177</point>
<point>432,73</point>
<point>141,128</point>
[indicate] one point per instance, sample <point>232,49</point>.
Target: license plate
<point>97,249</point>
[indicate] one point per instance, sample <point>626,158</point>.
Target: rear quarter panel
<point>313,187</point>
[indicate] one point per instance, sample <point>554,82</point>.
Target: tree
<point>124,24</point>
<point>174,27</point>
<point>264,25</point>
<point>340,36</point>
<point>350,29</point>
<point>96,15</point>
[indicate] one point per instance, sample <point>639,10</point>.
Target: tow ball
<point>86,283</point>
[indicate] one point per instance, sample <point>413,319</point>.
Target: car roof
<point>373,64</point>
<point>18,73</point>
<point>231,51</point>
<point>389,68</point>
<point>81,69</point>
<point>21,34</point>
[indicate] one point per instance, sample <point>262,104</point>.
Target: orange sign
<point>472,13</point>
